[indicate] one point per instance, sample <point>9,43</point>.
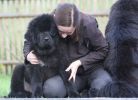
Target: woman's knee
<point>54,87</point>
<point>100,78</point>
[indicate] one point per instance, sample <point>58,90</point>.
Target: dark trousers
<point>54,87</point>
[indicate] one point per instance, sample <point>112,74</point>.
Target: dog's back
<point>121,34</point>
<point>121,62</point>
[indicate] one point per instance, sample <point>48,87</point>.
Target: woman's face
<point>64,31</point>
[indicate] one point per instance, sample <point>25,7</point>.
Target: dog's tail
<point>118,89</point>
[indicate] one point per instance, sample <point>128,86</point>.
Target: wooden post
<point>95,5</point>
<point>6,69</point>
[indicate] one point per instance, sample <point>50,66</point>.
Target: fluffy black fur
<point>45,42</point>
<point>122,60</point>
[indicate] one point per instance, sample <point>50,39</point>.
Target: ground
<point>5,84</point>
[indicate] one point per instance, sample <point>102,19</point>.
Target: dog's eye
<point>52,34</point>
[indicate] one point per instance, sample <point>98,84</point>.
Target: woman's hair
<point>66,15</point>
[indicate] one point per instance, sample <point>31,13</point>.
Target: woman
<point>85,47</point>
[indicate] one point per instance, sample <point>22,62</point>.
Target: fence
<point>15,15</point>
<point>43,6</point>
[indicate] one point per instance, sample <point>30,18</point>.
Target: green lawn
<point>4,84</point>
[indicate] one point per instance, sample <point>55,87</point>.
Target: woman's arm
<point>97,45</point>
<point>28,53</point>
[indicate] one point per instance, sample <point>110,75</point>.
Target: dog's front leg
<point>71,90</point>
<point>36,83</point>
<point>37,89</point>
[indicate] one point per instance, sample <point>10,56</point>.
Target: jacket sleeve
<point>97,45</point>
<point>26,49</point>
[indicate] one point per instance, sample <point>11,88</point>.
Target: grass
<point>4,84</point>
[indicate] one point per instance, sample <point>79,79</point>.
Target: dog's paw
<point>73,94</point>
<point>84,94</point>
<point>24,94</point>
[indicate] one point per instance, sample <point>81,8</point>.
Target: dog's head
<point>42,33</point>
<point>45,40</point>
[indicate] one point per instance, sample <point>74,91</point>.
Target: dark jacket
<point>90,47</point>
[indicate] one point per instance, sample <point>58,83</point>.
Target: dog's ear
<point>31,33</point>
<point>31,36</point>
<point>27,35</point>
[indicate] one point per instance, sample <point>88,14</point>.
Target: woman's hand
<point>32,58</point>
<point>73,67</point>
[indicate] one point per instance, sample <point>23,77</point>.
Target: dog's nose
<point>46,38</point>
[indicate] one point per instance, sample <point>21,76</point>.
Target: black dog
<point>122,60</point>
<point>45,41</point>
